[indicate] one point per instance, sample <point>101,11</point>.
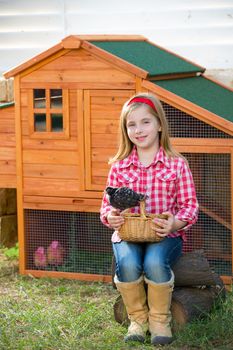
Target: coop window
<point>40,121</point>
<point>39,98</point>
<point>182,124</point>
<point>213,230</point>
<point>49,116</point>
<point>57,122</point>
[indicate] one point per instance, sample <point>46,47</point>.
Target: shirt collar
<point>162,157</point>
<point>133,159</point>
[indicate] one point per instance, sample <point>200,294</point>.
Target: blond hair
<point>125,144</point>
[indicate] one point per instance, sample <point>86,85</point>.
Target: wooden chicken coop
<point>58,136</point>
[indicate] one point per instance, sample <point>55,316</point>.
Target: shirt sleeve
<point>186,198</point>
<point>105,206</point>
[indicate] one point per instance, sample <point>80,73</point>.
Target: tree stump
<point>197,289</point>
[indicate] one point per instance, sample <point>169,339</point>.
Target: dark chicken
<point>123,198</point>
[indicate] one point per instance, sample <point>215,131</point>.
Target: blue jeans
<point>154,260</point>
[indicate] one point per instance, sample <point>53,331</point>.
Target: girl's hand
<point>114,218</point>
<point>166,225</point>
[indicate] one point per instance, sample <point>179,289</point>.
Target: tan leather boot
<point>134,298</point>
<point>159,301</point>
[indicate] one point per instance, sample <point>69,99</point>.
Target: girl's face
<point>143,128</point>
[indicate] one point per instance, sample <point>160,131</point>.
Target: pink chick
<point>55,253</point>
<point>40,259</point>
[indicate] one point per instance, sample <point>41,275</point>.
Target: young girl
<point>147,163</point>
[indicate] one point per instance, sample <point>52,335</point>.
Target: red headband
<point>145,100</point>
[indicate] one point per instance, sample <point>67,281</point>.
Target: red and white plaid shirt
<point>168,183</point>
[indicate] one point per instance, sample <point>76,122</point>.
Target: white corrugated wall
<point>200,30</point>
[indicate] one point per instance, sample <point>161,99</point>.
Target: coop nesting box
<point>67,105</point>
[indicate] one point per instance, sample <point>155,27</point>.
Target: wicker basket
<point>138,227</point>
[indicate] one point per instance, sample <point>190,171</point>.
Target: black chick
<point>123,198</point>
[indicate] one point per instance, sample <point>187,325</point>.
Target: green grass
<point>50,314</point>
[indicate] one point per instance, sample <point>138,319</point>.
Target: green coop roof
<point>6,104</point>
<point>204,93</point>
<point>151,58</point>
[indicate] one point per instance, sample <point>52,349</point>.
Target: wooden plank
<point>108,113</point>
<point>201,149</point>
<point>107,75</point>
<point>8,181</point>
<point>51,171</point>
<point>100,169</point>
<point>73,121</point>
<point>101,126</point>
<point>35,61</point>
<point>97,101</point>
<point>7,126</point>
<point>59,203</point>
<point>19,172</point>
<point>23,98</point>
<point>29,112</point>
<point>113,93</point>
<point>47,111</point>
<point>7,140</point>
<point>71,42</point>
<point>110,37</point>
<point>26,111</point>
<point>51,187</point>
<point>69,275</point>
<point>37,144</point>
<point>79,60</point>
<point>109,141</point>
<point>83,85</point>
<point>102,155</point>
<point>138,84</point>
<point>205,142</point>
<point>8,167</point>
<point>100,181</point>
<point>48,157</point>
<point>87,139</point>
<point>90,194</point>
<point>81,137</point>
<point>73,99</point>
<point>66,207</point>
<point>173,76</point>
<point>76,201</point>
<point>7,113</point>
<point>65,112</point>
<point>106,109</point>
<point>84,195</point>
<point>25,128</point>
<point>7,153</point>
